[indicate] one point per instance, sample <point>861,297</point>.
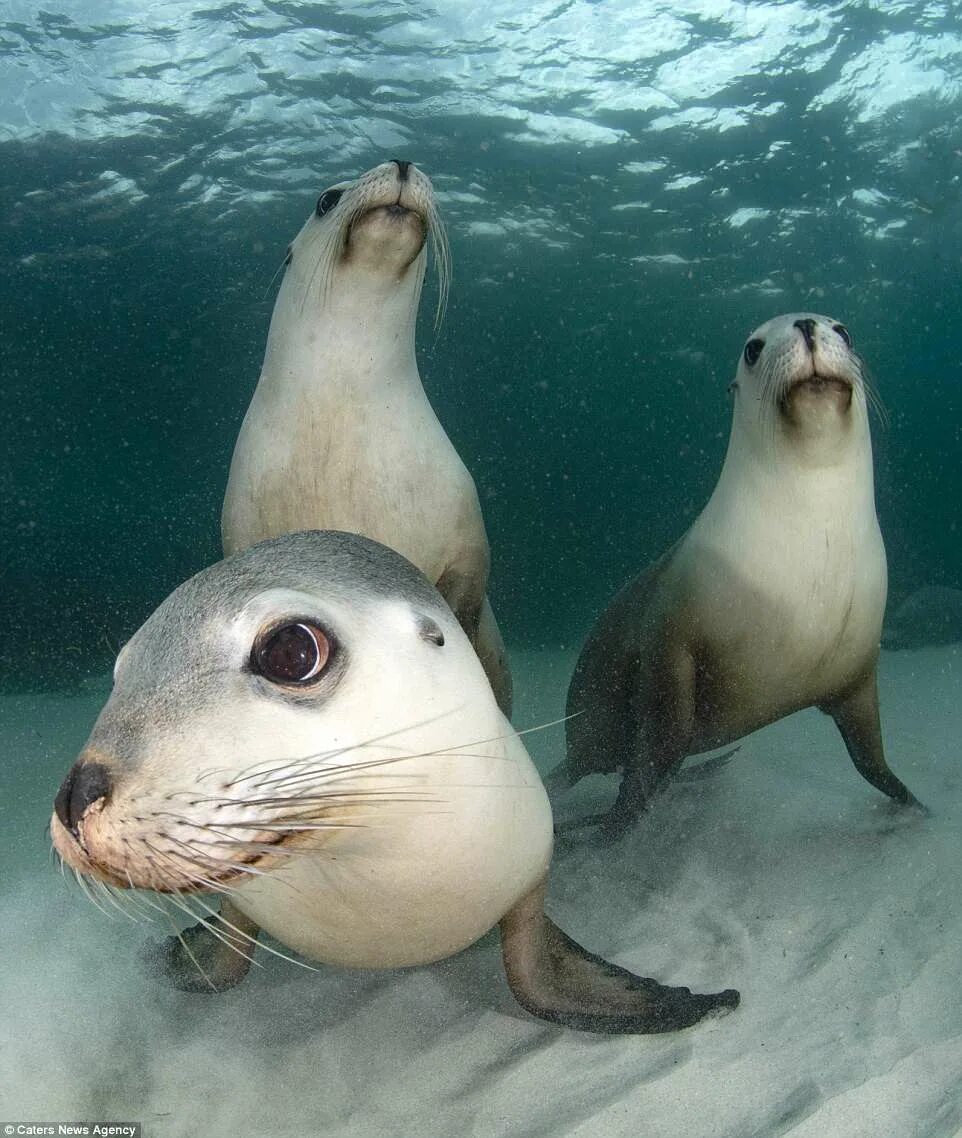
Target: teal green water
<point>629,190</point>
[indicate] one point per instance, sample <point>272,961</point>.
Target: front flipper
<point>464,593</point>
<point>662,739</point>
<point>212,956</point>
<point>857,717</point>
<point>494,659</point>
<point>555,979</point>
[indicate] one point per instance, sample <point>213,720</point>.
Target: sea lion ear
<point>732,387</point>
<point>429,629</point>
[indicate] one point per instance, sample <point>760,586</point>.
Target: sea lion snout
<point>807,328</point>
<point>89,781</point>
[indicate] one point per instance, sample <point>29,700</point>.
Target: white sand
<point>786,876</point>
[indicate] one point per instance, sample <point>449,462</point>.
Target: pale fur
<point>771,602</point>
<point>424,851</point>
<point>340,433</point>
<point>796,523</point>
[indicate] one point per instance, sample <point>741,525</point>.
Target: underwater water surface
<point>628,190</point>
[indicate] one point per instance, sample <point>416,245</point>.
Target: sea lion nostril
<point>807,329</point>
<point>403,168</point>
<point>85,784</point>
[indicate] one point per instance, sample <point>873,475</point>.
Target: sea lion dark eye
<point>288,256</point>
<point>291,654</point>
<point>753,349</point>
<point>844,333</point>
<point>327,201</point>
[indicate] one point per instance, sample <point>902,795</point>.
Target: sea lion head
<point>267,701</point>
<point>801,386</point>
<point>369,234</point>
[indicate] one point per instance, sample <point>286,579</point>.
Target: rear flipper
<point>556,782</point>
<point>857,717</point>
<point>707,768</point>
<point>212,956</point>
<point>555,979</point>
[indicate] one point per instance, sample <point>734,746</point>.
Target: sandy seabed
<point>786,876</point>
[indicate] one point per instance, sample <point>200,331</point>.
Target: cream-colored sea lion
<point>340,434</point>
<point>305,728</point>
<point>771,602</point>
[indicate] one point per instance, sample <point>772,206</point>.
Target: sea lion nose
<point>807,329</point>
<point>402,167</point>
<point>86,783</point>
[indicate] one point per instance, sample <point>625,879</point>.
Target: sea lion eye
<point>291,654</point>
<point>327,201</point>
<point>753,349</point>
<point>844,333</point>
<point>288,256</point>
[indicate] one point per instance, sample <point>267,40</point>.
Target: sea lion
<point>340,433</point>
<point>305,728</point>
<point>771,602</point>
<point>930,615</point>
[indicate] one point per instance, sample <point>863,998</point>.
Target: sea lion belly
<point>373,469</point>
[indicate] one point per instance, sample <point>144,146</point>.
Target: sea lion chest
<point>340,452</point>
<point>782,616</point>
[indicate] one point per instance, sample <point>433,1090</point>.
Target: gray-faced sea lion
<point>305,728</point>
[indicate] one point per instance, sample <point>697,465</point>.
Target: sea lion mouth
<point>393,212</point>
<point>176,877</point>
<point>404,228</point>
<point>819,386</point>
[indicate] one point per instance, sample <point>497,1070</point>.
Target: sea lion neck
<point>346,344</point>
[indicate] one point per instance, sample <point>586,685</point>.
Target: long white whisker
<point>285,764</point>
<point>187,949</point>
<point>442,260</point>
<point>108,893</point>
<point>458,750</point>
<point>82,882</point>
<point>224,938</point>
<point>212,885</point>
<point>255,941</point>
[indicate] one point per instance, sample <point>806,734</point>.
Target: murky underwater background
<point>629,189</point>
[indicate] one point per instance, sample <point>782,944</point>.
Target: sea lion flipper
<point>554,978</point>
<point>856,715</point>
<point>494,659</point>
<point>661,743</point>
<point>211,956</point>
<point>465,595</point>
